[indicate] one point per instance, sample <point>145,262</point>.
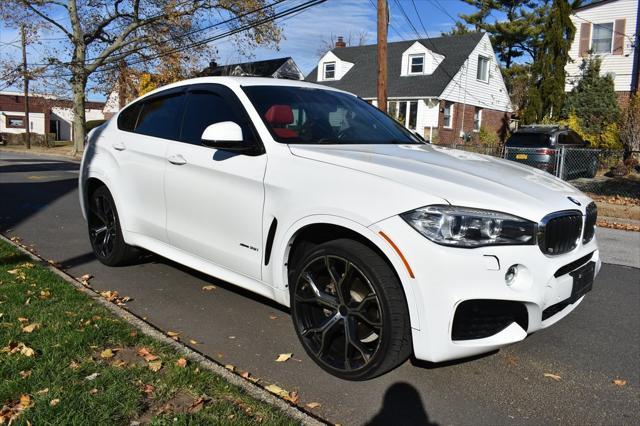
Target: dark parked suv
<point>553,149</point>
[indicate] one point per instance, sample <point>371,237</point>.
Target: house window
<point>477,119</point>
<point>330,71</point>
<point>602,38</point>
<point>15,122</point>
<point>413,114</point>
<point>483,68</point>
<point>392,109</point>
<point>447,118</point>
<point>416,64</point>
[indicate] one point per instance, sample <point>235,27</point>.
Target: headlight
<point>468,227</point>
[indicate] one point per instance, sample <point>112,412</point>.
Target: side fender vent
<point>270,236</point>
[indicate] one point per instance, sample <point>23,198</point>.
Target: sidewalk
<point>619,247</point>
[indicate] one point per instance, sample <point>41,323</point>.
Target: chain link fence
<point>596,171</point>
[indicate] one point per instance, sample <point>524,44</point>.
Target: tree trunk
<point>78,86</point>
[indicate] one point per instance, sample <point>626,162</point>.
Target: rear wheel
<point>105,233</point>
<point>349,310</point>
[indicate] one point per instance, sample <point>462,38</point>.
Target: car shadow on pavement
<point>402,405</point>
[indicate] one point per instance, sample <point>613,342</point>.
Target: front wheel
<point>105,233</point>
<point>349,310</point>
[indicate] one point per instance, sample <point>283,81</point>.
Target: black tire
<point>105,233</point>
<point>368,326</point>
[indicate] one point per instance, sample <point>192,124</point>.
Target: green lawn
<point>65,359</point>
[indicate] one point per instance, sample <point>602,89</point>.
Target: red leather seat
<point>279,116</point>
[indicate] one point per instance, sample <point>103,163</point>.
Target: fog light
<point>511,274</point>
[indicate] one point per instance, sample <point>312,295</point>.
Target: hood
<point>458,177</point>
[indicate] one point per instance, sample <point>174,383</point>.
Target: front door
<point>214,198</point>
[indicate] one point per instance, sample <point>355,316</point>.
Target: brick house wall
<point>38,104</point>
<point>493,121</point>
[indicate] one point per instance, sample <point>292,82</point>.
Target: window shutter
<point>618,36</point>
<point>585,36</point>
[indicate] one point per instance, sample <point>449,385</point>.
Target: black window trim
<point>141,103</point>
<point>225,92</point>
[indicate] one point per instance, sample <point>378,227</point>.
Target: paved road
<point>599,342</point>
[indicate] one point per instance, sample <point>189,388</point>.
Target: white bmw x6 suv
<point>381,245</point>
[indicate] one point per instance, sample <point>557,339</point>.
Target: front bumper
<point>445,277</point>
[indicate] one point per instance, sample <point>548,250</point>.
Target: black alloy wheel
<point>105,233</point>
<point>341,311</point>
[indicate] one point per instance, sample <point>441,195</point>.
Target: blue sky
<point>304,32</point>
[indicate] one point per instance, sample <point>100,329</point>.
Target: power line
<point>406,17</point>
<point>276,16</point>
<point>188,33</point>
<point>418,15</point>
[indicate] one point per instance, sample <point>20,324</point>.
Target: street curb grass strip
<point>252,389</point>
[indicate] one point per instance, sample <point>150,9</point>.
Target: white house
<point>609,30</point>
<point>47,114</point>
<point>440,87</point>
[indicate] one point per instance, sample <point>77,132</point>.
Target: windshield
<point>300,115</point>
<point>532,140</point>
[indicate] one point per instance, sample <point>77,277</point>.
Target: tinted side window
<point>529,140</point>
<point>203,109</point>
<point>160,117</point>
<point>127,118</point>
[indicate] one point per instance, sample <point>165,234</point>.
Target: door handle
<point>118,146</point>
<point>177,159</point>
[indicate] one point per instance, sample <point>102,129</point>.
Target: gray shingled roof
<point>362,77</point>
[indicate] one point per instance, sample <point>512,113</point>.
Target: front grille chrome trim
<point>569,242</point>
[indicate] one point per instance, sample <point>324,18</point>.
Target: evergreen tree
<point>548,74</point>
<point>593,100</point>
<point>515,36</point>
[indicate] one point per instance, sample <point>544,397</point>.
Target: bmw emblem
<point>574,201</point>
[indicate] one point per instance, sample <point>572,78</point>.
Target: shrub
<point>486,137</point>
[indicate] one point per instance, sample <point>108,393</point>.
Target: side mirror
<point>226,135</point>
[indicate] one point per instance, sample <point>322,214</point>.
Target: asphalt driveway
<point>597,343</point>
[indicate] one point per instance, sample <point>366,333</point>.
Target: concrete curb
<point>252,389</point>
<point>42,154</point>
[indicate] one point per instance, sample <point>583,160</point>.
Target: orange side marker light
<point>395,247</point>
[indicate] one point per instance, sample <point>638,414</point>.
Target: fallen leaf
<point>277,390</point>
<point>174,335</point>
<point>42,391</point>
<point>25,374</point>
<point>182,363</point>
<point>198,404</point>
<point>155,365</point>
<point>25,401</point>
<point>85,279</point>
<point>92,377</point>
<point>148,389</point>
<point>193,342</point>
<point>230,367</point>
<point>209,287</point>
<point>74,365</point>
<point>244,374</point>
<point>273,317</point>
<point>28,301</point>
<point>13,271</point>
<point>313,405</point>
<point>232,337</point>
<point>293,397</point>
<point>119,363</point>
<point>23,319</point>
<point>284,357</point>
<point>107,354</point>
<point>553,376</point>
<point>511,360</point>
<point>31,327</point>
<point>93,391</point>
<point>54,402</point>
<point>148,356</point>
<point>619,382</point>
<point>45,294</point>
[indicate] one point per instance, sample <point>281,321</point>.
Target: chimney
<point>340,43</point>
<point>213,65</point>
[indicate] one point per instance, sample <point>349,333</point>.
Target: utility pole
<point>26,87</point>
<point>383,24</point>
